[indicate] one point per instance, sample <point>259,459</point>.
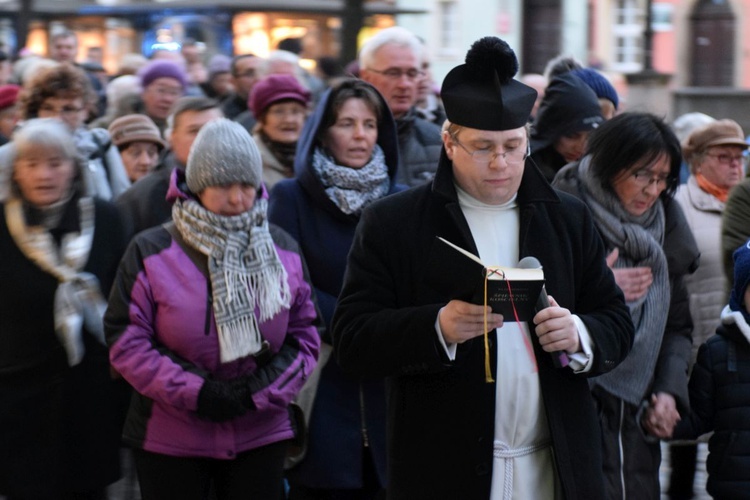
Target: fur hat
<point>275,88</point>
<point>482,93</point>
<point>162,68</point>
<point>223,153</point>
<point>133,128</point>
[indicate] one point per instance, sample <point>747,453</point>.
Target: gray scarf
<point>640,242</point>
<point>245,271</point>
<point>78,301</point>
<point>352,189</point>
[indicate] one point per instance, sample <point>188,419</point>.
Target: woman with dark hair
<point>346,160</point>
<point>60,413</point>
<point>627,177</point>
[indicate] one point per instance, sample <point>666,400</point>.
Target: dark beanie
<point>741,258</point>
<point>599,84</point>
<point>482,93</point>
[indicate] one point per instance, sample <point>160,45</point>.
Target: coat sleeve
<point>700,420</point>
<point>151,369</point>
<point>277,382</point>
<point>375,332</point>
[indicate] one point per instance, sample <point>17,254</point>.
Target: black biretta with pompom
<point>482,93</point>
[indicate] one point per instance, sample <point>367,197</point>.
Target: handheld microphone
<point>559,358</point>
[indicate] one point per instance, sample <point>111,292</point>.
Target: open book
<point>511,291</point>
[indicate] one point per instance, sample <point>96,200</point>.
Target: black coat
<point>44,404</point>
<point>441,413</point>
<point>720,402</point>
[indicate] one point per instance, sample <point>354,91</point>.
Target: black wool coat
<point>441,414</point>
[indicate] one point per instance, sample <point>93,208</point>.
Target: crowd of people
<point>229,272</point>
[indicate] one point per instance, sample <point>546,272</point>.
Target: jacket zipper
<point>209,308</point>
<point>365,436</point>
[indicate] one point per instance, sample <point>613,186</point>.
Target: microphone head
<point>529,262</point>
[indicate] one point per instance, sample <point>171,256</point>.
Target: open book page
<point>500,272</point>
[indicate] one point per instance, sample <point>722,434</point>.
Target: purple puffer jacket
<point>163,340</point>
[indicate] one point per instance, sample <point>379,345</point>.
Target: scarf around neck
<point>717,192</point>
<point>78,301</point>
<point>244,268</point>
<point>352,189</point>
<point>639,240</point>
<point>284,152</point>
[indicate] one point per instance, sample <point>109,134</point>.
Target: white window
<point>448,28</point>
<point>628,36</point>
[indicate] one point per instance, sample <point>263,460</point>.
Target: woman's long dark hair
<point>629,142</point>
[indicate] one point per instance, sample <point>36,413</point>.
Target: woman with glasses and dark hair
<point>65,92</point>
<point>347,159</point>
<point>628,176</point>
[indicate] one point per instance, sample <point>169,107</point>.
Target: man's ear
<point>449,144</point>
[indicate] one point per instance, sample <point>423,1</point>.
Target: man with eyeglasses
<point>391,61</point>
<point>531,429</point>
<point>244,69</point>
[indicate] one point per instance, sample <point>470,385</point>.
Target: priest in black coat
<point>477,415</point>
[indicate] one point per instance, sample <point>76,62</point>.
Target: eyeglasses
<point>484,156</point>
<point>397,73</point>
<point>64,111</point>
<point>167,91</point>
<point>726,159</point>
<point>645,178</point>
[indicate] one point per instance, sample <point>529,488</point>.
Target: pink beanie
<point>274,88</point>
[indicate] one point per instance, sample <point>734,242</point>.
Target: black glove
<point>222,400</point>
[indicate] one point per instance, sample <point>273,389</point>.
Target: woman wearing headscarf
<point>212,323</point>
<point>279,104</point>
<point>347,159</point>
<point>60,421</point>
<point>627,178</point>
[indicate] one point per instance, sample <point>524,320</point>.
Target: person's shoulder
<point>428,131</point>
<point>282,239</point>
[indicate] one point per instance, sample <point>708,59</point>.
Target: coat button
<point>482,469</point>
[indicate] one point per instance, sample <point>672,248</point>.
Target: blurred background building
<point>695,44</point>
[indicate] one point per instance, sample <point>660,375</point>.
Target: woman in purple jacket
<point>212,323</point>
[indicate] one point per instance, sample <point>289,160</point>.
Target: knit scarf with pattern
<point>639,240</point>
<point>244,268</point>
<point>352,189</point>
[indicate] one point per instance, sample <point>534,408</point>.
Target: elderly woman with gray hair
<point>60,420</point>
<point>211,321</point>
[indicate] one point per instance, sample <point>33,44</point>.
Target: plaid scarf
<point>244,269</point>
<point>79,302</point>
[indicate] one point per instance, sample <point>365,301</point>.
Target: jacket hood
<point>729,318</point>
<point>387,140</point>
<point>568,106</point>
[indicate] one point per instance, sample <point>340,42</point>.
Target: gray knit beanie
<point>223,153</point>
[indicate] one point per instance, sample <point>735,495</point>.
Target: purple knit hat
<point>162,68</point>
<point>274,88</point>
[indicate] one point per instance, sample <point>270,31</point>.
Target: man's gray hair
<point>189,103</point>
<point>395,35</point>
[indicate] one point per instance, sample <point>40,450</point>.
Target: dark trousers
<point>682,459</point>
<point>252,475</point>
<point>631,462</point>
<point>370,490</point>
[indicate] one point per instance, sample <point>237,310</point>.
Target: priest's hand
<point>556,329</point>
<point>461,321</point>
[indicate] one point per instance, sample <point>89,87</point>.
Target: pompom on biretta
<point>482,94</point>
<point>492,54</point>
